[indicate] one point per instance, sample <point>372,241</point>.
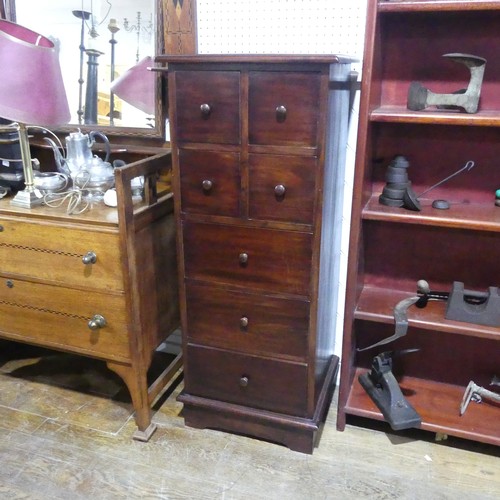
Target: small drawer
<point>282,188</point>
<point>246,322</point>
<point>208,106</point>
<point>59,317</point>
<point>262,259</point>
<point>60,254</point>
<point>268,384</point>
<point>284,108</point>
<point>210,182</point>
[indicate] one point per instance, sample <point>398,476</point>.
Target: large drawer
<point>283,108</point>
<point>208,106</point>
<point>210,182</point>
<point>58,317</point>
<point>263,259</point>
<point>54,253</point>
<point>254,324</point>
<point>279,386</point>
<point>282,187</point>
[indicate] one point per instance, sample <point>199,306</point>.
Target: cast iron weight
<point>383,389</point>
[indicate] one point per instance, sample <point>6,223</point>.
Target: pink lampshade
<point>31,86</point>
<point>137,86</point>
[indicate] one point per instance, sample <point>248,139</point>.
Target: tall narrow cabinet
<point>391,248</point>
<point>256,145</point>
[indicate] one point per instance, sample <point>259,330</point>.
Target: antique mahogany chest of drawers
<point>101,284</point>
<point>251,156</point>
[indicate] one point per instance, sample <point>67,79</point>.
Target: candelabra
<point>140,29</point>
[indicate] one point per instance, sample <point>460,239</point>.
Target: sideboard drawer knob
<point>243,322</point>
<point>205,110</point>
<point>97,322</point>
<point>89,258</point>
<point>281,113</point>
<point>207,185</point>
<point>243,258</point>
<point>279,190</point>
<point>244,381</point>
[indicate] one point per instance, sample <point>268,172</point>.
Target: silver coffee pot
<point>78,151</point>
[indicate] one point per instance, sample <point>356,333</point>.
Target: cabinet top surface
<point>436,5</point>
<point>256,59</point>
<point>98,214</point>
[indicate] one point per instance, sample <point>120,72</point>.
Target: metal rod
<point>112,77</point>
<point>468,166</point>
<point>83,15</point>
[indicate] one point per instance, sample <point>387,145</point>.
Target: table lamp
<point>31,93</point>
<point>137,86</point>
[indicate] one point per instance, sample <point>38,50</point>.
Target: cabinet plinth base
<point>297,433</point>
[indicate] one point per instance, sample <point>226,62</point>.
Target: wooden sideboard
<point>254,154</point>
<point>101,284</point>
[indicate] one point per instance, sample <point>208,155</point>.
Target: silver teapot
<point>78,151</point>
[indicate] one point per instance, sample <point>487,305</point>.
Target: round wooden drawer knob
<point>205,110</point>
<point>280,190</point>
<point>207,185</point>
<point>281,113</point>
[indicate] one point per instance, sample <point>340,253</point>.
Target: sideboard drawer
<point>210,182</point>
<point>256,258</point>
<point>53,253</point>
<point>282,187</point>
<point>252,381</point>
<point>283,108</point>
<point>59,317</point>
<point>256,324</point>
<point>208,106</point>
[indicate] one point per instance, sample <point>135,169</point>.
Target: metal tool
<point>401,315</point>
<point>420,97</point>
<point>495,380</point>
<point>476,393</point>
<point>384,391</point>
<point>411,200</point>
<point>480,308</point>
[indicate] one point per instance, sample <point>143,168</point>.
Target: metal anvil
<point>420,97</point>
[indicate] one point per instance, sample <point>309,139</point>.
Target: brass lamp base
<point>27,199</point>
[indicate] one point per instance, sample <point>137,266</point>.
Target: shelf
<point>377,304</point>
<point>438,405</point>
<point>391,248</point>
<point>401,114</point>
<point>464,216</point>
<point>435,6</point>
